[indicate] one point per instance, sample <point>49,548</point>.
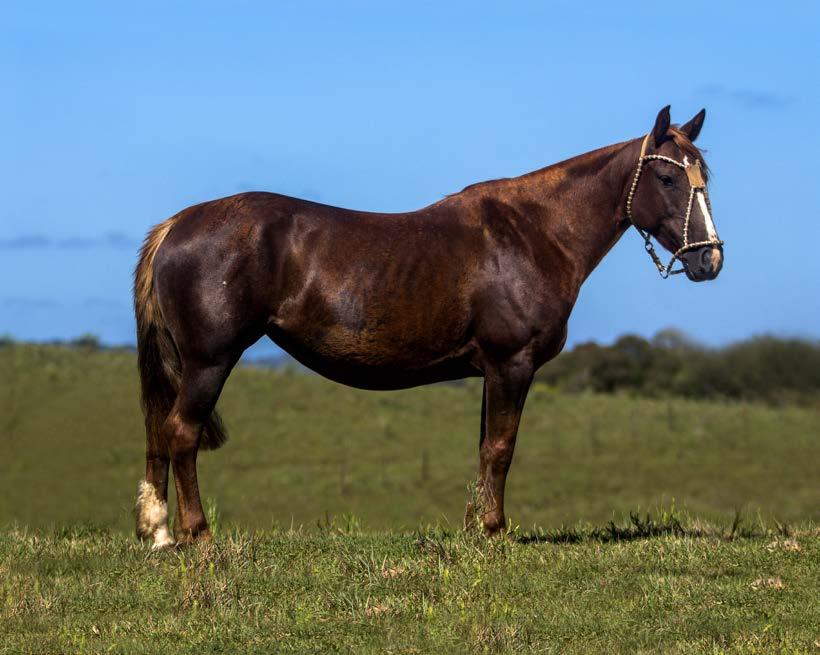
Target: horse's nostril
<point>706,258</point>
<point>703,264</point>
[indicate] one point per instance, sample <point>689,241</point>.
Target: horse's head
<point>667,198</point>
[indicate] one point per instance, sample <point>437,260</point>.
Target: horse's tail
<point>157,356</point>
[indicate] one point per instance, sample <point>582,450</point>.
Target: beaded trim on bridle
<point>696,185</point>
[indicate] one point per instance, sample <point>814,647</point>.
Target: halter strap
<point>644,143</point>
<point>697,184</point>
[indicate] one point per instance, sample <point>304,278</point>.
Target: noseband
<point>696,185</point>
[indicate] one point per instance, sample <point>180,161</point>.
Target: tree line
<point>765,368</point>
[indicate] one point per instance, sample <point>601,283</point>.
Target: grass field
<point>302,448</point>
<point>341,591</point>
<point>402,577</point>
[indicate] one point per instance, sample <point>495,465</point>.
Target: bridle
<point>697,185</point>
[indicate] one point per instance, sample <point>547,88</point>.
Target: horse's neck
<point>583,213</point>
<point>578,205</point>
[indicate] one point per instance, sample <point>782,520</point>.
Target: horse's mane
<point>679,137</point>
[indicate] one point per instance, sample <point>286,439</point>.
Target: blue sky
<point>116,116</point>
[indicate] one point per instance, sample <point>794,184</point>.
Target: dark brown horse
<point>480,283</point>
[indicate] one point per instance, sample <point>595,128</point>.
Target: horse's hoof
<point>162,539</point>
<point>494,526</point>
<point>166,544</point>
<point>191,539</point>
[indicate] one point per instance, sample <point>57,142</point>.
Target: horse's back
<point>358,296</point>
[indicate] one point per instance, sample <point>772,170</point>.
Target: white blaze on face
<point>707,217</point>
<point>711,232</point>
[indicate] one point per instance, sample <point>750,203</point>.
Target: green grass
<point>302,448</point>
<point>74,580</point>
<point>339,590</point>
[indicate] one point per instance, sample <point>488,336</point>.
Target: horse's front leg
<point>505,390</point>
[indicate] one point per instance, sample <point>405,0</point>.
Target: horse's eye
<point>666,180</point>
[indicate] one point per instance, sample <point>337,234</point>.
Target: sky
<point>115,116</point>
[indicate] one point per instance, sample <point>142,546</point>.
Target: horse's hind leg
<point>152,501</point>
<point>200,388</point>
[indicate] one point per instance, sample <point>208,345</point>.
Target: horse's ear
<point>692,128</point>
<point>661,126</point>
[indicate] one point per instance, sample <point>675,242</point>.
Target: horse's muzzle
<point>703,264</point>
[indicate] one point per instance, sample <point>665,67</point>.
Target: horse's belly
<point>370,361</point>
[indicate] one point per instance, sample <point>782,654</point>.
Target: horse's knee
<point>182,438</point>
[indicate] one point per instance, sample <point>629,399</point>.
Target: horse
<point>478,284</point>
